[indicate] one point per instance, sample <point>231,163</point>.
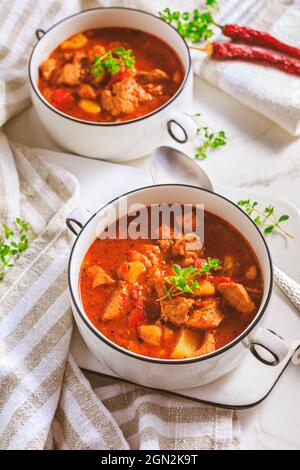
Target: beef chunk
<point>189,246</point>
<point>237,296</point>
<point>124,97</point>
<point>47,67</point>
<point>165,245</point>
<point>155,90</point>
<point>176,310</point>
<point>251,273</point>
<point>86,91</point>
<point>230,266</point>
<point>207,317</point>
<point>118,304</point>
<point>96,51</point>
<point>100,277</point>
<point>154,75</point>
<point>208,345</point>
<point>70,75</point>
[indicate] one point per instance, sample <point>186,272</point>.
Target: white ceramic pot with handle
<point>266,346</point>
<point>118,141</point>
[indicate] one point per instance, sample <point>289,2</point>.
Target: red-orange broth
<point>67,82</point>
<point>226,305</point>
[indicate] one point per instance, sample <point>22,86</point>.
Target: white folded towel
<point>273,93</point>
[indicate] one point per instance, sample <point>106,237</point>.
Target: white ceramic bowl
<point>123,140</point>
<point>180,373</point>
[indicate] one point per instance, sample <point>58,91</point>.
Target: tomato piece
<point>199,262</point>
<point>198,302</point>
<point>118,77</point>
<point>124,267</point>
<point>136,292</point>
<point>216,280</point>
<point>137,317</point>
<point>62,97</point>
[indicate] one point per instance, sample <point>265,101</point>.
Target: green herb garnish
<point>183,281</point>
<point>208,139</point>
<point>13,241</point>
<point>266,219</point>
<point>213,4</point>
<point>113,61</point>
<point>195,26</point>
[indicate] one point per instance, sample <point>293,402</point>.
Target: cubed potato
<point>75,42</point>
<point>151,334</point>
<point>131,271</point>
<point>206,288</point>
<point>188,342</point>
<point>89,106</point>
<point>100,277</point>
<point>207,317</point>
<point>208,345</point>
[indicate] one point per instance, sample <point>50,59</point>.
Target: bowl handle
<point>181,127</point>
<point>39,33</point>
<point>77,219</point>
<point>267,341</point>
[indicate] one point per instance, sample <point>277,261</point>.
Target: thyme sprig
<point>113,61</point>
<point>13,242</point>
<point>266,219</point>
<point>208,139</point>
<point>183,281</point>
<point>195,26</point>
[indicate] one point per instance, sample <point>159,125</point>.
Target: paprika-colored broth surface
<point>110,75</point>
<point>130,290</point>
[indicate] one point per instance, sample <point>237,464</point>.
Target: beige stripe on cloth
<point>36,325</point>
<point>45,400</point>
<point>19,20</point>
<point>152,420</point>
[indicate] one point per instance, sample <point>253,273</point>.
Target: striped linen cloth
<point>18,22</point>
<point>272,93</point>
<point>45,400</point>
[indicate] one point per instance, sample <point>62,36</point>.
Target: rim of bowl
<point>109,124</point>
<point>137,356</point>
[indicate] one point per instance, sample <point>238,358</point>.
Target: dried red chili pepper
<point>258,38</point>
<point>228,51</point>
